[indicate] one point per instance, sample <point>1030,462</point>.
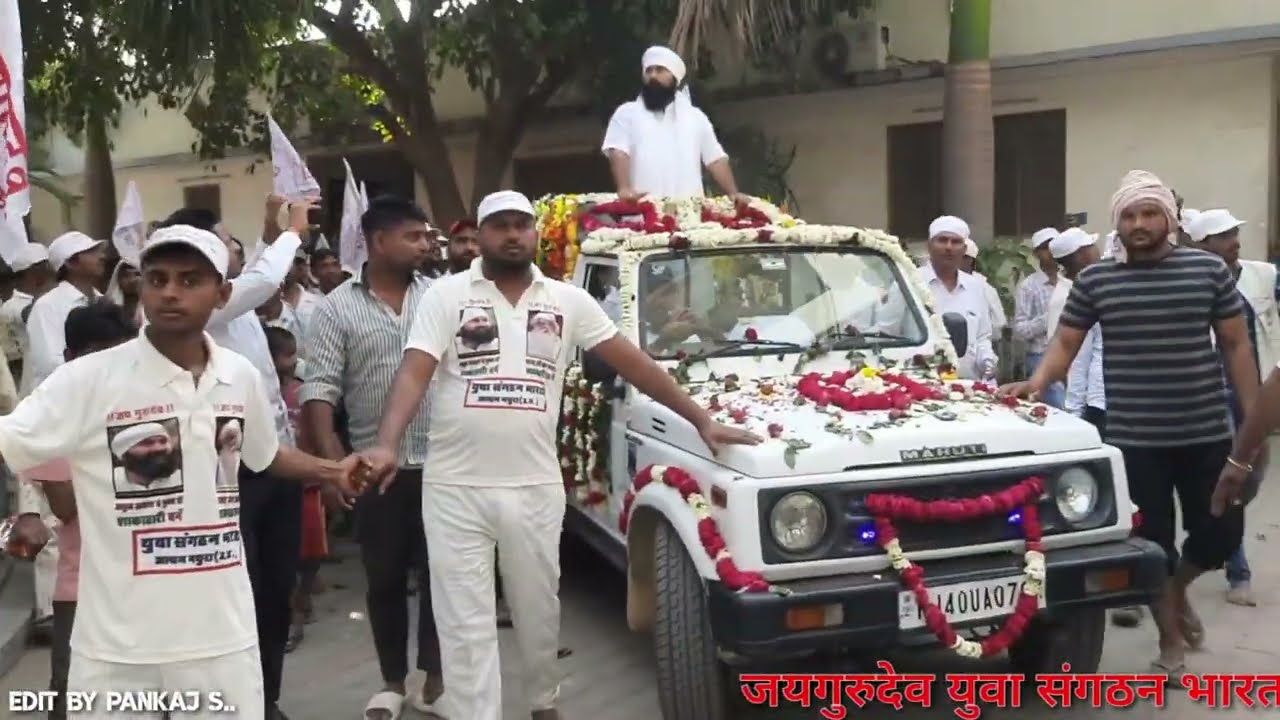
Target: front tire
<point>1075,640</point>
<point>691,677</point>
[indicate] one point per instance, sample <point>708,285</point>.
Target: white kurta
<point>668,149</point>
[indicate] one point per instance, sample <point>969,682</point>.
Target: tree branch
<point>348,39</point>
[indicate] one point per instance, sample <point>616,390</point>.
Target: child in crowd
<point>284,352</point>
<point>88,329</point>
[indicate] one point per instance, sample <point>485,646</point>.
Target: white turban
<point>970,249</point>
<point>546,317</point>
<point>474,313</point>
<point>126,439</point>
<point>1141,186</point>
<point>949,225</point>
<point>663,57</point>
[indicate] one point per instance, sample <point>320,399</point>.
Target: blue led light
<point>867,533</point>
<point>1015,517</point>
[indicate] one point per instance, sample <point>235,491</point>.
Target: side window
<point>601,282</point>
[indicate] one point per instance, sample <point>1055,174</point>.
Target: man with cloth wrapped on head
<point>1166,401</point>
<point>658,143</point>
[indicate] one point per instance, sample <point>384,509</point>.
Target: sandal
<point>417,697</point>
<point>385,705</point>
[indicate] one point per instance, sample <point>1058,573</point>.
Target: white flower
<point>967,648</point>
<point>657,472</point>
<point>701,508</point>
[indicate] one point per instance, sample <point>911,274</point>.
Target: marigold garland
<point>712,541</point>
<point>886,508</point>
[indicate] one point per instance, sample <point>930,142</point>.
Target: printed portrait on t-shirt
<point>544,334</point>
<point>227,443</point>
<point>146,458</point>
<point>477,332</point>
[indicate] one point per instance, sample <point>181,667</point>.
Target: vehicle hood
<point>802,438</point>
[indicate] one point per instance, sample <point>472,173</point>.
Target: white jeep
<point>773,551</point>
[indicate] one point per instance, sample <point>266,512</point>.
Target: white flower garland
<point>1033,573</point>
<point>631,246</point>
<point>569,407</point>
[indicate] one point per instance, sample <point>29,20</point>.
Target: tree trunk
<point>968,131</point>
<point>99,179</point>
<point>427,152</point>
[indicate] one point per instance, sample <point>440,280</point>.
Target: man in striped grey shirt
<point>1166,401</point>
<point>354,346</point>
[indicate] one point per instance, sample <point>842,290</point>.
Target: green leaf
<point>789,456</point>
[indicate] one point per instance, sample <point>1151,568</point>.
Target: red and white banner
<point>15,187</point>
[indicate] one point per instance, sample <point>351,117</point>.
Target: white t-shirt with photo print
<point>496,400</point>
<point>162,577</point>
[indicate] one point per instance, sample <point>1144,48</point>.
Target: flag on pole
<point>351,243</point>
<point>364,198</point>
<point>15,186</point>
<point>131,227</point>
<point>292,179</point>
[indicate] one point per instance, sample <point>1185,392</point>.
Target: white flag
<point>364,198</point>
<point>15,186</point>
<point>131,227</point>
<point>351,245</point>
<point>293,180</point>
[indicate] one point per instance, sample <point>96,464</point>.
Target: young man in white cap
<point>1031,305</point>
<point>1166,400</point>
<point>33,278</point>
<point>1076,250</point>
<point>659,143</point>
<point>995,307</point>
<point>1218,231</point>
<point>491,477</point>
<point>77,261</point>
<point>166,601</point>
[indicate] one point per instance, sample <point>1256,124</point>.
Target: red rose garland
<point>829,389</point>
<point>651,221</point>
<point>886,508</point>
<point>708,531</point>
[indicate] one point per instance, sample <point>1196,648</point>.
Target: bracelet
<point>1243,466</point>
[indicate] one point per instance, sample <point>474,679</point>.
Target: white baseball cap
<point>1211,222</point>
<point>29,256</point>
<point>503,201</point>
<point>1042,236</point>
<point>68,245</point>
<point>970,249</point>
<point>1069,241</point>
<point>1187,216</point>
<point>208,244</point>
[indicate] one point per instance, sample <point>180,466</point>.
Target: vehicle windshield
<point>748,302</point>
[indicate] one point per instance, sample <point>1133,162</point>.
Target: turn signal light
<point>814,617</point>
<point>1102,581</point>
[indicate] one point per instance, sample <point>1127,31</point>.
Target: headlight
<point>1076,493</point>
<point>798,522</point>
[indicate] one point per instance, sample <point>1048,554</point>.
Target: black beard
<point>152,466</point>
<point>479,337</point>
<point>657,96</point>
<point>507,266</point>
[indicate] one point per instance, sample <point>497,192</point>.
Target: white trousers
<point>235,678</point>
<point>464,525</point>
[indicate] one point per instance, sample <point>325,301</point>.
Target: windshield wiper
<point>870,336</point>
<point>730,345</point>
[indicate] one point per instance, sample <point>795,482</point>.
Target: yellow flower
<point>949,376</point>
<point>870,372</point>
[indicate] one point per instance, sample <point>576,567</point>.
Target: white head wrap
<point>1042,236</point>
<point>1141,186</point>
<point>547,317</point>
<point>663,57</point>
<point>949,225</point>
<point>474,313</point>
<point>126,439</point>
<point>970,248</point>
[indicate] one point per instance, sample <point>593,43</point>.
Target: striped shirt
<point>354,345</point>
<point>1031,310</point>
<point>1164,384</point>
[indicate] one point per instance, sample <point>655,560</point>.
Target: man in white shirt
<point>995,306</point>
<point>658,143</point>
<point>1076,250</point>
<point>164,598</point>
<point>301,299</point>
<point>33,278</point>
<point>956,291</point>
<point>271,509</point>
<point>1030,301</point>
<point>491,476</point>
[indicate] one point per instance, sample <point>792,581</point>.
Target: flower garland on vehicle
<point>886,508</point>
<point>558,233</point>
<point>583,438</point>
<point>709,535</point>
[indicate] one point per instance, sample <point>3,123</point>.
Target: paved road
<point>610,675</point>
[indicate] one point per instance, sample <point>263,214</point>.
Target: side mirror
<point>958,329</point>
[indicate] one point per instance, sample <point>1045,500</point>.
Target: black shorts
<point>1157,474</point>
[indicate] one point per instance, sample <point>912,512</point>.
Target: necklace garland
<point>886,508</point>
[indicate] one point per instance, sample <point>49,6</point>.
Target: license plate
<point>963,602</point>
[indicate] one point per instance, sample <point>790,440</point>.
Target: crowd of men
<point>182,431</point>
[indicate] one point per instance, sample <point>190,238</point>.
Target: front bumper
<point>754,625</point>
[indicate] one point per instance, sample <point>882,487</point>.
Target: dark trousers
<point>271,525</point>
<point>392,544</point>
<point>1189,472</point>
<point>64,616</point>
<point>1096,417</point>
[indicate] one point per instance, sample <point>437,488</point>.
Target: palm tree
<point>968,151</point>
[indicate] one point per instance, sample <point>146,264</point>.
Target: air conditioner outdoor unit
<point>850,46</point>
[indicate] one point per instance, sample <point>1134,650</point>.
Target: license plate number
<point>963,602</point>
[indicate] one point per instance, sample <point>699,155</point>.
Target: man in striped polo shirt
<point>1166,400</point>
